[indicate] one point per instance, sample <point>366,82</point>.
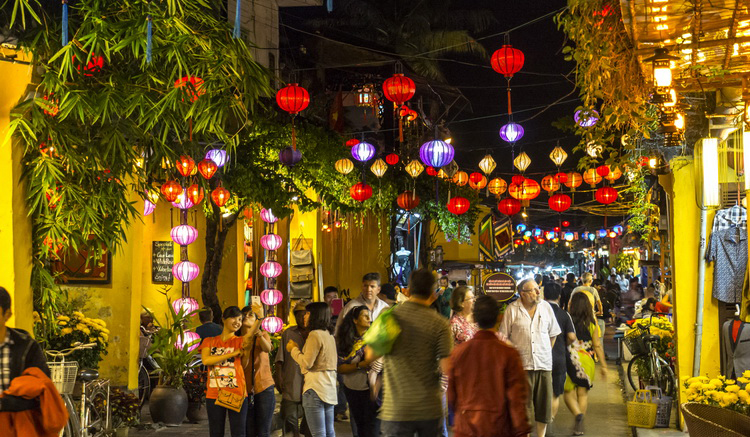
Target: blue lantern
<point>363,151</point>
<point>511,132</point>
<point>592,236</point>
<point>527,234</point>
<point>537,232</point>
<point>520,227</point>
<point>550,235</point>
<point>569,236</point>
<point>618,229</point>
<point>602,233</point>
<point>436,153</point>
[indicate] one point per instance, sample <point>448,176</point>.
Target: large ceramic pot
<point>196,413</point>
<point>168,405</point>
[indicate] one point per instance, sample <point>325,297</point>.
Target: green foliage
<point>624,262</point>
<point>173,362</point>
<point>125,408</point>
<point>639,220</point>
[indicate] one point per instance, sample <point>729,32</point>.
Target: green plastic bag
<point>382,333</point>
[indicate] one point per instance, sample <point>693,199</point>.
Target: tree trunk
<point>215,239</point>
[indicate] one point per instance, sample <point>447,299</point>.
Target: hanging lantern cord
<point>294,135</point>
<point>149,38</point>
<point>64,22</point>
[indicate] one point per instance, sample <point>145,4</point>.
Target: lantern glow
<point>522,162</point>
<point>436,153</point>
<point>379,167</point>
<point>271,297</point>
<point>272,325</point>
<point>558,156</point>
<point>270,269</point>
<point>267,216</point>
<point>414,168</point>
<point>487,164</point>
<point>360,191</point>
<point>184,234</point>
<point>207,168</point>
<point>344,166</point>
<point>218,156</point>
<point>270,241</point>
<point>188,339</point>
<point>363,151</point>
<point>511,132</point>
<point>185,271</point>
<point>292,99</point>
<point>458,205</point>
<point>187,305</point>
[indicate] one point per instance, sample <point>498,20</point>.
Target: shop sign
<point>162,260</point>
<point>500,286</point>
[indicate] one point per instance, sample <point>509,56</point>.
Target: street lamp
<point>662,70</point>
<point>707,173</point>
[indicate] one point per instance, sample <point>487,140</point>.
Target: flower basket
<point>709,421</point>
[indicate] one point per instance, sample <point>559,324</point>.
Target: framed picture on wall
<point>74,269</point>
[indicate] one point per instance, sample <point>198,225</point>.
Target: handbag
<point>298,290</point>
<point>301,257</point>
<point>301,273</point>
<point>230,400</point>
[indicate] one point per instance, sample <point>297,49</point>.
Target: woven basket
<point>634,341</point>
<point>708,421</point>
<point>642,410</point>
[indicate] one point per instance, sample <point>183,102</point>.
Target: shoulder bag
<point>232,400</point>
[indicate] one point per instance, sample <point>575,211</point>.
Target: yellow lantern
<point>522,162</point>
<point>593,149</point>
<point>550,184</point>
<point>591,177</point>
<point>614,174</point>
<point>414,168</point>
<point>497,186</point>
<point>344,166</point>
<point>574,181</point>
<point>379,167</point>
<point>558,156</point>
<point>442,174</point>
<point>487,164</point>
<point>662,68</point>
<point>461,178</point>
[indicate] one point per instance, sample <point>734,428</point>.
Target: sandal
<point>578,428</point>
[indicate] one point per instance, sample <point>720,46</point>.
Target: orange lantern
<point>591,177</point>
<point>614,174</point>
<point>574,180</point>
<point>207,168</point>
<point>477,183</point>
<point>220,196</point>
<point>461,178</point>
<point>407,200</point>
<point>550,184</point>
<point>195,194</point>
<point>497,186</point>
<point>170,190</point>
<point>525,191</point>
<point>185,165</point>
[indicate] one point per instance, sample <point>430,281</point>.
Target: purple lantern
<point>363,151</point>
<point>218,156</point>
<point>289,156</point>
<point>184,234</point>
<point>185,271</point>
<point>270,241</point>
<point>267,216</point>
<point>271,296</point>
<point>188,305</point>
<point>183,202</point>
<point>511,132</point>
<point>148,207</point>
<point>586,118</point>
<point>188,338</point>
<point>272,325</point>
<point>270,269</point>
<point>436,153</point>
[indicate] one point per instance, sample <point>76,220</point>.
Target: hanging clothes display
<point>735,347</point>
<point>727,249</point>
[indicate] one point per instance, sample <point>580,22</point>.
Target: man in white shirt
<point>368,297</point>
<point>530,324</point>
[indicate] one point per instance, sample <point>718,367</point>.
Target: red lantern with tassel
<point>559,202</point>
<point>458,205</point>
<point>407,200</point>
<point>220,196</point>
<point>185,165</point>
<point>170,190</point>
<point>431,171</point>
<point>507,60</point>
<point>602,170</point>
<point>207,168</point>
<point>606,195</point>
<point>293,99</point>
<point>391,159</point>
<point>509,206</point>
<point>195,194</point>
<point>360,191</point>
<point>351,142</point>
<point>399,89</point>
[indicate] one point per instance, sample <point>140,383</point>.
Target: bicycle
<point>92,416</point>
<point>641,343</point>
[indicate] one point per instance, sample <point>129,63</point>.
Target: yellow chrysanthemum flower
<point>66,318</point>
<point>81,327</point>
<point>62,323</point>
<point>743,395</point>
<point>66,331</point>
<point>746,374</point>
<point>78,314</point>
<point>716,382</point>
<point>732,388</point>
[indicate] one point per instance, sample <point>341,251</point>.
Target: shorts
<point>558,381</point>
<point>540,395</point>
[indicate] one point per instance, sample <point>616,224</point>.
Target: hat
<point>301,305</point>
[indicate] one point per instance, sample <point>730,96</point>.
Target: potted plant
<point>75,327</point>
<point>125,411</point>
<point>172,348</point>
<point>195,386</point>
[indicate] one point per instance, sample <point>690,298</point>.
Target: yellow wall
<point>455,251</point>
<point>684,225</point>
<point>15,226</point>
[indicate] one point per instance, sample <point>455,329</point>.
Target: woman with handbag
<point>354,370</point>
<point>257,367</point>
<point>226,390</point>
<point>317,360</point>
<point>580,359</point>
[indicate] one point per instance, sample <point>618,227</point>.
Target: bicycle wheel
<point>144,385</point>
<point>95,415</point>
<point>640,362</point>
<point>72,426</point>
<point>666,382</point>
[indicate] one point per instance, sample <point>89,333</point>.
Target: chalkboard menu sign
<point>162,260</point>
<point>500,286</point>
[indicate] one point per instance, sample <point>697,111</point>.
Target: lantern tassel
<point>237,20</point>
<point>149,39</point>
<point>510,111</point>
<point>64,22</point>
<point>294,137</point>
<point>400,129</point>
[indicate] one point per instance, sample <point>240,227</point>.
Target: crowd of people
<point>458,361</point>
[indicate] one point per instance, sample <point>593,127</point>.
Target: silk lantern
<point>271,297</point>
<point>461,178</point>
<point>344,166</point>
<point>270,269</point>
<point>272,324</point>
<point>267,216</point>
<point>220,196</point>
<point>618,229</point>
<point>207,168</point>
<point>549,184</point>
<point>497,186</point>
<point>148,207</point>
<point>558,156</point>
<point>436,153</point>
<point>185,271</point>
<point>170,190</point>
<point>591,177</point>
<point>565,223</point>
<point>509,206</point>
<point>399,89</point>
<point>391,159</point>
<point>458,205</point>
<point>477,181</point>
<point>601,233</point>
<point>183,202</point>
<point>360,191</point>
<point>517,179</point>
<point>363,151</point>
<point>351,142</point>
<point>293,98</point>
<point>187,305</point>
<point>218,156</point>
<point>188,338</point>
<point>507,60</point>
<point>270,241</point>
<point>407,200</point>
<point>561,177</point>
<point>487,164</point>
<point>430,170</point>
<point>559,202</point>
<point>574,180</point>
<point>522,162</point>
<point>192,85</point>
<point>511,132</point>
<point>606,195</point>
<point>195,194</point>
<point>614,174</point>
<point>586,118</point>
<point>289,156</point>
<point>183,234</point>
<point>379,167</point>
<point>185,165</point>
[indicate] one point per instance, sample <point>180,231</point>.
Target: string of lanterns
<point>270,270</point>
<point>524,235</point>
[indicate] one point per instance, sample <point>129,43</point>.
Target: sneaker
<point>578,427</point>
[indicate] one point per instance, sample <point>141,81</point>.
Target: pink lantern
<point>270,269</point>
<point>148,207</point>
<point>183,202</point>
<point>184,234</point>
<point>186,271</point>
<point>188,338</point>
<point>271,297</point>
<point>188,305</point>
<point>272,325</point>
<point>270,241</point>
<point>267,216</point>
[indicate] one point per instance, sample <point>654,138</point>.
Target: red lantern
<point>565,223</point>
<point>220,196</point>
<point>95,64</point>
<point>360,191</point>
<point>352,142</point>
<point>193,84</point>
<point>479,184</point>
<point>476,177</point>
<point>556,229</point>
<point>293,98</point>
<point>399,89</point>
<point>602,170</point>
<point>404,111</point>
<point>391,159</point>
<point>185,165</point>
<point>606,195</point>
<point>407,200</point>
<point>561,177</point>
<point>559,202</point>
<point>517,179</point>
<point>207,168</point>
<point>458,205</point>
<point>540,240</point>
<point>509,206</point>
<point>170,190</point>
<point>195,194</point>
<point>507,60</point>
<point>431,171</point>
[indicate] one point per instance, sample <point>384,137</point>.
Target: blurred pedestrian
<point>560,350</point>
<point>258,378</point>
<point>289,380</point>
